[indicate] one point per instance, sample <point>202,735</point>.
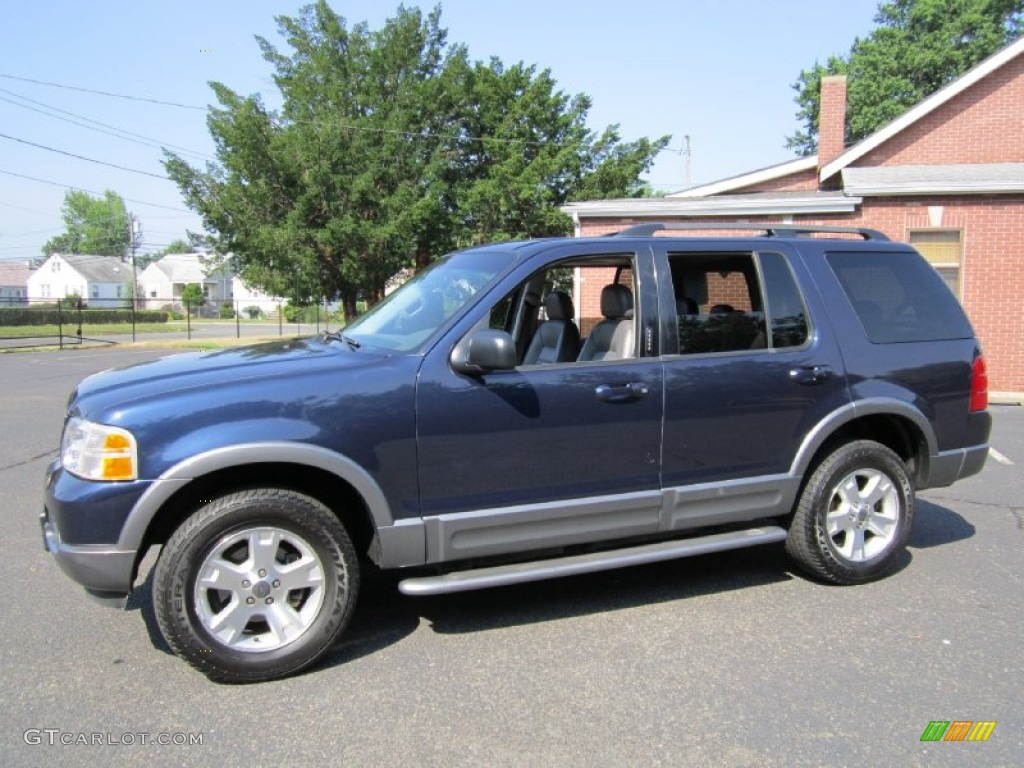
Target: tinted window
<point>899,297</point>
<point>786,311</point>
<point>718,302</point>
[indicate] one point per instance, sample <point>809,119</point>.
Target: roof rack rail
<point>770,230</point>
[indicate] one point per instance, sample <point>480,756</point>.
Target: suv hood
<point>204,369</point>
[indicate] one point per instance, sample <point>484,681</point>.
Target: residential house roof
<point>970,179</point>
<point>924,108</point>
<point>984,178</point>
<point>186,268</point>
<point>750,178</point>
<point>14,274</point>
<point>99,269</point>
<point>757,203</point>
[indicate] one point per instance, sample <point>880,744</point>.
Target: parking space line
<point>999,457</point>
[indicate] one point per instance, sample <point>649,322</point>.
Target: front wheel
<point>854,515</point>
<point>256,585</point>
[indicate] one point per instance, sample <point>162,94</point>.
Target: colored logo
<point>958,730</point>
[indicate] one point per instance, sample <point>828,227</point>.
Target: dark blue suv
<point>525,411</point>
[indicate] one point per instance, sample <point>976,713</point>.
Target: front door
<point>544,455</point>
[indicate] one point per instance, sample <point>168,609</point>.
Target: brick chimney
<point>832,119</point>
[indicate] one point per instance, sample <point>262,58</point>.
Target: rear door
<point>751,375</point>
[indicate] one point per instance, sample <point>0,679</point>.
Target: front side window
<point>575,311</point>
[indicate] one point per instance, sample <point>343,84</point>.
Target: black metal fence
<point>74,321</point>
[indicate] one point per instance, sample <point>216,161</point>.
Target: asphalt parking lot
<point>728,659</point>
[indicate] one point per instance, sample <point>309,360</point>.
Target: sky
<point>720,72</point>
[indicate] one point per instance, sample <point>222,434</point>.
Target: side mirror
<point>484,350</point>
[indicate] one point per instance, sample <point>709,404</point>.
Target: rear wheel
<point>256,585</point>
<point>854,515</point>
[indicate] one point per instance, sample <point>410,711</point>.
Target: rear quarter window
<point>899,297</point>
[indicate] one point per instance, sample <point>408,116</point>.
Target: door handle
<point>622,393</point>
<point>810,374</point>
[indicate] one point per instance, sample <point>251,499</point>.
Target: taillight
<point>979,385</point>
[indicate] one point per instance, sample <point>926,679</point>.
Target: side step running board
<point>519,573</point>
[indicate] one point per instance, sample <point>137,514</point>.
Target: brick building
<point>947,176</point>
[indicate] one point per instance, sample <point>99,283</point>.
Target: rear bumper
<point>949,466</point>
<point>106,572</point>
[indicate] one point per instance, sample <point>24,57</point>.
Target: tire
<point>256,585</point>
<point>854,515</point>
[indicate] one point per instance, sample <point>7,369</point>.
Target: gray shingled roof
<point>187,268</point>
<point>978,178</point>
<point>99,269</point>
<point>14,274</point>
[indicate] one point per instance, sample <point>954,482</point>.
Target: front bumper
<point>106,572</point>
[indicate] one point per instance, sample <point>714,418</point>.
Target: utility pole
<point>686,151</point>
<point>134,229</point>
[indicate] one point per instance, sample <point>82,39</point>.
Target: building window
<point>944,250</point>
<point>95,291</point>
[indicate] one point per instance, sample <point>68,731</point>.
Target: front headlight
<point>98,452</point>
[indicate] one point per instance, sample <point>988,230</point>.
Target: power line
<point>46,231</point>
<point>338,123</point>
<point>30,210</point>
<point>146,141</point>
<point>82,157</point>
<point>91,191</point>
<point>103,93</point>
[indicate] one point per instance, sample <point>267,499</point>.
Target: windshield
<point>410,315</point>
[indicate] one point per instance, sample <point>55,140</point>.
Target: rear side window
<point>718,302</point>
<point>899,297</point>
<point>721,307</point>
<point>786,309</point>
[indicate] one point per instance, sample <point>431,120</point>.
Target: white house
<point>14,283</point>
<point>100,280</point>
<point>163,281</point>
<point>247,296</point>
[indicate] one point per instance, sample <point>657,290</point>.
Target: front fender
<point>184,472</point>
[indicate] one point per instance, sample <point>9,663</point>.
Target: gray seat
<point>558,339</point>
<point>612,338</point>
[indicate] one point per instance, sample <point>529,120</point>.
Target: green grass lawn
<point>104,329</point>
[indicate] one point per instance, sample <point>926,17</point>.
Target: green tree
<point>178,245</point>
<point>192,296</point>
<point>918,47</point>
<point>528,151</point>
<point>93,225</point>
<point>390,148</point>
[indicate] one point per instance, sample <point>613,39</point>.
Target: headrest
<point>616,301</point>
<point>558,306</point>
<point>686,306</point>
